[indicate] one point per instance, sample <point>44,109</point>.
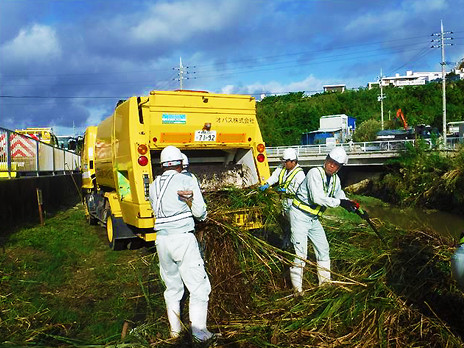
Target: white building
<point>410,79</point>
<point>414,78</point>
<point>334,88</point>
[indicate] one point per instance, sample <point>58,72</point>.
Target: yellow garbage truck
<point>219,133</point>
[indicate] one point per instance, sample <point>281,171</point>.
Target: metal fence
<point>21,155</point>
<point>360,147</point>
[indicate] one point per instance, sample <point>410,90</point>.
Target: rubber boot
<point>296,276</point>
<point>323,272</point>
<point>198,313</point>
<point>173,310</point>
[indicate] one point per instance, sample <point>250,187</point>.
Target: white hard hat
<point>289,154</point>
<point>339,155</point>
<point>170,156</point>
<point>185,160</point>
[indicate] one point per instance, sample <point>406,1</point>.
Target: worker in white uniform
<point>176,199</point>
<point>320,189</point>
<point>457,263</point>
<point>288,176</point>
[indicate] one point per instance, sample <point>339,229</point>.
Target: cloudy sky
<point>67,62</point>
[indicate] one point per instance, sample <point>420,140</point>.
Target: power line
<point>262,67</point>
<point>251,59</point>
<point>183,70</point>
<point>421,54</point>
<point>54,97</point>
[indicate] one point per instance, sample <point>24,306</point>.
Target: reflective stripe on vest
<point>160,190</point>
<point>163,220</point>
<point>288,180</point>
<point>316,209</point>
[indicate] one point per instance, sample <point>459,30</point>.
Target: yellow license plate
<point>248,219</point>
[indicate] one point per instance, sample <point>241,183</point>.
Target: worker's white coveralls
<point>178,252</point>
<point>317,192</point>
<point>288,182</point>
<point>457,264</point>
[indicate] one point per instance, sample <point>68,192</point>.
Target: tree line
<point>284,118</point>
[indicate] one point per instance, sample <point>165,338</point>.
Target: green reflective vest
<point>315,209</point>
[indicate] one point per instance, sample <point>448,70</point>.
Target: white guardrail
<point>21,155</point>
<point>359,147</point>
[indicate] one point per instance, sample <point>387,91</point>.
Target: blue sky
<point>67,62</point>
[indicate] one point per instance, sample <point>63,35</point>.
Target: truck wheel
<point>114,243</point>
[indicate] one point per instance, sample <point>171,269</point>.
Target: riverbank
<point>61,285</point>
<point>421,177</point>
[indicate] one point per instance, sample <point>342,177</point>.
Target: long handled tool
<point>363,214</point>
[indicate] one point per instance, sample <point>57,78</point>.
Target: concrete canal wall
<point>19,203</point>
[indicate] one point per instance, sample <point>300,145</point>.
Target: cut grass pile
<point>60,285</point>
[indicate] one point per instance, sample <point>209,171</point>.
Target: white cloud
<point>419,6</point>
<point>37,43</point>
<point>308,84</point>
<point>408,11</point>
<point>178,21</point>
<point>390,19</point>
<point>96,115</point>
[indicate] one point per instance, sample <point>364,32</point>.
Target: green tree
<point>367,131</point>
<point>284,118</point>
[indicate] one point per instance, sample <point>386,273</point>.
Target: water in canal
<point>445,224</point>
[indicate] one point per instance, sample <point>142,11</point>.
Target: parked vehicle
<point>219,133</point>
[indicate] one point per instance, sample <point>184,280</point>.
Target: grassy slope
<point>60,284</point>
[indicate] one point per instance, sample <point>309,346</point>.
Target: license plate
<point>248,219</point>
<point>202,135</point>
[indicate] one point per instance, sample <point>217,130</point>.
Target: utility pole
<point>182,71</point>
<point>442,45</point>
<point>381,98</point>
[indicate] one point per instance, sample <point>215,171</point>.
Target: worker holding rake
<point>320,189</point>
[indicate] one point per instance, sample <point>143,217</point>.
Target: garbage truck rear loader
<point>219,134</point>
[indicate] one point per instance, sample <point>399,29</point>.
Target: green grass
<point>61,281</point>
<point>60,285</point>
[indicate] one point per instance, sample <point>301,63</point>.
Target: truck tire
<point>112,232</point>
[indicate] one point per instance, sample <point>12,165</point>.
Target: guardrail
<point>21,155</point>
<point>358,147</point>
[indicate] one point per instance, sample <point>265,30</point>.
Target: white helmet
<point>289,154</point>
<point>339,155</point>
<point>170,156</point>
<point>185,160</point>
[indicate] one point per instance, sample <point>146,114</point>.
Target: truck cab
<point>44,135</point>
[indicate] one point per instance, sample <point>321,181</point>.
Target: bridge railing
<point>21,155</point>
<point>358,147</point>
